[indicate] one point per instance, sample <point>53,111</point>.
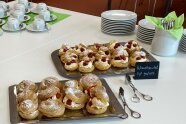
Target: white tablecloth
<point>27,55</point>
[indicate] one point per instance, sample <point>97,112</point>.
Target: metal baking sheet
<point>110,72</point>
<point>115,110</point>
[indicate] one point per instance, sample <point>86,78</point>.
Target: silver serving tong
<point>133,113</point>
<point>135,98</point>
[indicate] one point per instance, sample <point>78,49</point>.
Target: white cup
<point>164,44</point>
<point>38,24</point>
<point>40,7</point>
<point>18,15</point>
<point>2,12</point>
<point>45,15</point>
<point>24,2</point>
<point>20,7</point>
<point>4,5</point>
<point>13,24</point>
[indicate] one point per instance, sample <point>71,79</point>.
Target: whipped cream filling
<point>122,61</point>
<point>103,63</point>
<point>72,65</point>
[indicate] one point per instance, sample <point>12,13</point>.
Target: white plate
<point>184,32</point>
<point>7,15</point>
<point>54,17</point>
<point>108,20</point>
<point>144,41</point>
<point>145,29</point>
<point>5,27</point>
<point>30,28</point>
<point>119,15</point>
<point>1,32</point>
<point>146,24</point>
<point>3,22</point>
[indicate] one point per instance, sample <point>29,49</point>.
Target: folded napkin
<point>177,29</point>
<point>60,17</point>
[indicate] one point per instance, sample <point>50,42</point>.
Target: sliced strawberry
<point>73,61</point>
<point>98,46</point>
<point>107,52</point>
<point>117,58</point>
<point>134,45</point>
<point>90,55</point>
<point>90,103</point>
<point>69,102</point>
<point>122,57</point>
<point>65,49</point>
<point>109,62</point>
<point>58,95</point>
<point>85,62</point>
<point>68,63</point>
<point>82,49</point>
<point>116,45</point>
<point>129,46</point>
<point>143,57</point>
<point>138,58</point>
<point>103,59</point>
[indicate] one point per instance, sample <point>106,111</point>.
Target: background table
<point>27,55</point>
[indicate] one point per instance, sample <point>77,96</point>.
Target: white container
<point>164,44</point>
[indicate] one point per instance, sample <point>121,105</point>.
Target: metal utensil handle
<point>146,97</point>
<point>124,107</point>
<point>135,98</point>
<point>133,113</point>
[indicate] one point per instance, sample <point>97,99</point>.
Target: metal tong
<point>135,98</point>
<point>133,113</point>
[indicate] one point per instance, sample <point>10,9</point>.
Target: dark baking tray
<point>110,72</point>
<point>115,110</point>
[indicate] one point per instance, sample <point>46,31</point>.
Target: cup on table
<point>24,2</point>
<point>4,5</point>
<point>18,14</point>
<point>45,15</point>
<point>40,7</point>
<point>39,24</point>
<point>21,7</point>
<point>13,24</point>
<point>2,12</point>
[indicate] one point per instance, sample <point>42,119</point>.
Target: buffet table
<point>27,55</point>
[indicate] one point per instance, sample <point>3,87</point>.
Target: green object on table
<point>177,29</point>
<point>60,17</point>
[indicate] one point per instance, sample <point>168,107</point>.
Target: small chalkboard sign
<point>147,70</point>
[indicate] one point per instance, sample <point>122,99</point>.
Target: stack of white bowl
<point>183,41</point>
<point>146,31</point>
<point>118,22</point>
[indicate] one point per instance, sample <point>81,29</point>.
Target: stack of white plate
<point>146,31</point>
<point>118,22</point>
<point>183,41</point>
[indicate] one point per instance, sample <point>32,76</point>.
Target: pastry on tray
<point>71,65</point>
<point>103,63</point>
<point>137,56</point>
<point>99,103</point>
<point>26,94</point>
<point>86,66</point>
<point>132,46</point>
<point>74,99</point>
<point>26,85</point>
<point>120,61</point>
<point>52,108</point>
<point>49,81</point>
<point>64,48</point>
<point>72,84</point>
<point>28,109</point>
<point>89,80</point>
